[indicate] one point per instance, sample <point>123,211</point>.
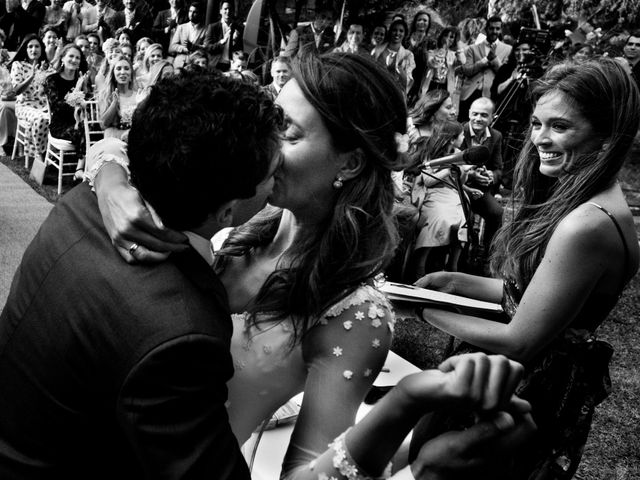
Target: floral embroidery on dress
<point>366,293</point>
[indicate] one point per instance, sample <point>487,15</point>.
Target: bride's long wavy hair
<point>363,111</point>
<point>607,97</point>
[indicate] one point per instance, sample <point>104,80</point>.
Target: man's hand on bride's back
<point>129,221</point>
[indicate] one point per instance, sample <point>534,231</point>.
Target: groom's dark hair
<point>201,139</point>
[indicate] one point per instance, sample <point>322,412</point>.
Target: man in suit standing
<point>83,18</point>
<point>223,38</point>
<point>318,36</point>
<point>482,62</point>
<point>166,22</point>
<point>485,180</point>
<point>111,370</point>
<point>16,24</point>
<point>189,36</point>
<point>136,16</point>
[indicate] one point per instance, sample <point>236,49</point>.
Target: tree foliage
<point>622,14</point>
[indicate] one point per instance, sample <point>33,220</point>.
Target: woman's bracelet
<point>345,464</point>
<point>91,174</point>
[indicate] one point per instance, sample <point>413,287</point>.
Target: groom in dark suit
<point>118,371</point>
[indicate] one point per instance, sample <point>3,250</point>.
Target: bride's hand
<point>128,221</point>
<point>475,382</point>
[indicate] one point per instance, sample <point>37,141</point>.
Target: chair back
<point>92,128</point>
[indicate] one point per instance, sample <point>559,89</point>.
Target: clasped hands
<point>481,176</point>
<point>475,383</point>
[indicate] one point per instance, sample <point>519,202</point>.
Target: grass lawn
<point>613,450</point>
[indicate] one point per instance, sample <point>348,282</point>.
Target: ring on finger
<point>133,248</point>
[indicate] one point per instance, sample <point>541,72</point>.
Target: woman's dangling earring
<point>337,183</point>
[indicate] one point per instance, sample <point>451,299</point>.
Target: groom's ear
<point>224,214</point>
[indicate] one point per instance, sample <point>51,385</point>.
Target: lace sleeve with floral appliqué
<point>344,353</point>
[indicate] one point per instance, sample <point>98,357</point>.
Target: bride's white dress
<point>335,364</point>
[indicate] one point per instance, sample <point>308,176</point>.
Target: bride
<point>299,275</point>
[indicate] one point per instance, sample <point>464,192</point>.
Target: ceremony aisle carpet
<point>22,211</point>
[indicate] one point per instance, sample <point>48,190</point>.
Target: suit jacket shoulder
<point>130,361</point>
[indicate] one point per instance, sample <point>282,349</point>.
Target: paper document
<point>410,293</point>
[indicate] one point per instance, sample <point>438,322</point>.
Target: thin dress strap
<point>624,240</point>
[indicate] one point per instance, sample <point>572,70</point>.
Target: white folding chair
<point>61,153</point>
<point>92,127</point>
<point>22,133</point>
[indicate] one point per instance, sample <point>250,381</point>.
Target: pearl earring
<point>337,184</point>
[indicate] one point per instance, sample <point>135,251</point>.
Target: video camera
<point>538,40</point>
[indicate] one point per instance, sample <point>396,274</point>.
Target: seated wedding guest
<point>56,18</point>
<point>152,55</point>
<point>94,55</point>
<point>123,36</point>
<point>28,72</point>
<point>52,46</point>
<point>330,231</point>
<point>127,52</point>
<point>378,35</point>
<point>82,42</point>
<point>66,90</point>
<point>435,192</point>
<point>166,22</point>
<point>223,37</point>
<point>111,50</point>
<point>562,261</point>
<point>138,58</point>
<point>397,59</point>
<point>198,59</point>
<point>430,112</point>
<point>188,36</point>
<point>8,121</point>
<point>159,70</point>
<point>353,43</point>
<point>485,178</point>
<point>280,73</point>
<point>239,70</point>
<point>117,100</point>
<point>83,18</point>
